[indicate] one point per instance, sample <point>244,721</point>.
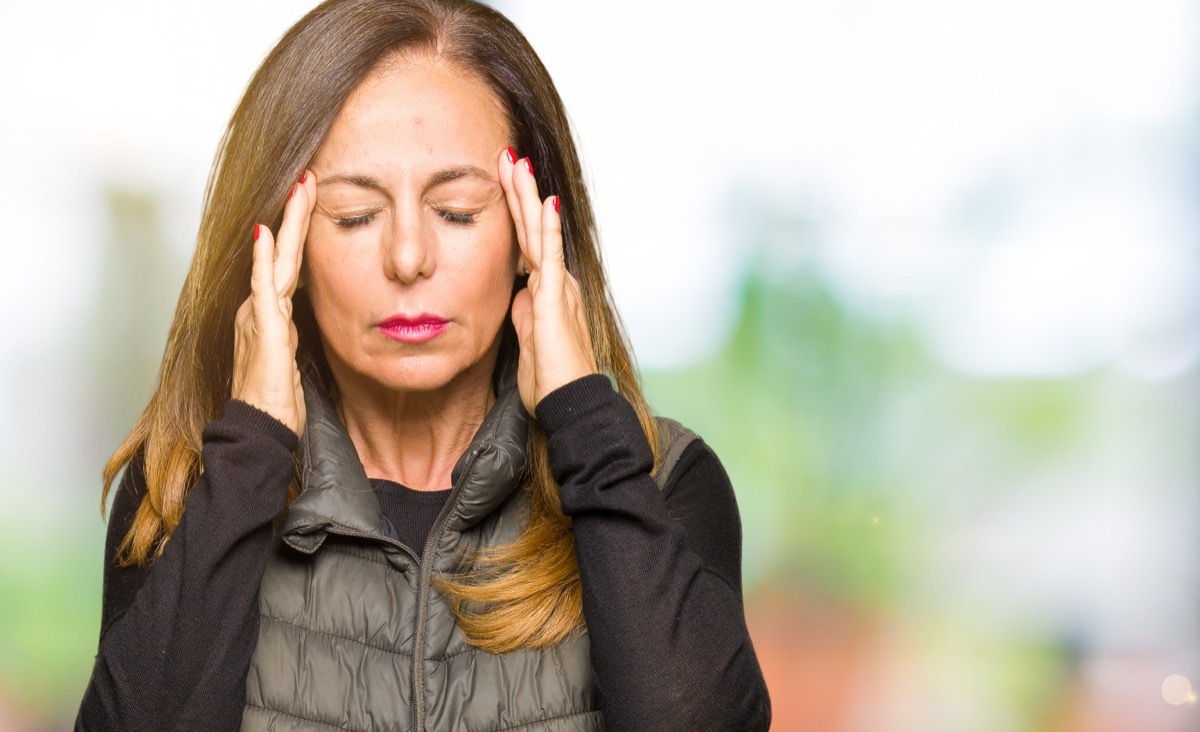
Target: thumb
<point>522,317</point>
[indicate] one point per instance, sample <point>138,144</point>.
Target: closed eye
<point>352,221</point>
<point>454,217</point>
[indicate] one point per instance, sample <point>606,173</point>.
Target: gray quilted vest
<point>353,635</point>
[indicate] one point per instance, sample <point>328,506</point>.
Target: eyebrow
<point>442,176</point>
<point>465,171</point>
<point>363,181</point>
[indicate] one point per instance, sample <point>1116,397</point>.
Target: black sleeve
<point>661,571</point>
<point>176,637</point>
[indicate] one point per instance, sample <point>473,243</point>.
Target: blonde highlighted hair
<point>525,594</point>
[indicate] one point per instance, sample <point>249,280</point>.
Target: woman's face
<point>411,256</point>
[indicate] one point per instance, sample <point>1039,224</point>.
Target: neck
<point>414,437</point>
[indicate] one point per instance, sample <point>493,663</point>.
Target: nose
<point>408,254</point>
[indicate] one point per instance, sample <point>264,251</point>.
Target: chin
<point>418,370</point>
<point>424,373</point>
<point>416,380</point>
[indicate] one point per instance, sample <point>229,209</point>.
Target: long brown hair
<point>525,594</point>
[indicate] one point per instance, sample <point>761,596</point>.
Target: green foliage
<point>793,406</point>
<point>49,624</point>
<point>846,440</point>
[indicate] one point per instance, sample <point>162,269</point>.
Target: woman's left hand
<point>548,314</point>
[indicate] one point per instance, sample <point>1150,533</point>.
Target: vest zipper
<point>425,569</point>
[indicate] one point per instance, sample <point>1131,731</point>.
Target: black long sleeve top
<point>661,572</point>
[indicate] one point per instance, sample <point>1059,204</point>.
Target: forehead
<point>411,110</point>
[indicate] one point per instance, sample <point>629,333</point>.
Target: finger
<point>507,166</point>
<point>530,205</point>
<point>297,213</point>
<point>262,276</point>
<point>553,266</point>
<point>308,182</point>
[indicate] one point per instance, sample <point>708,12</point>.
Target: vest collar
<point>336,496</point>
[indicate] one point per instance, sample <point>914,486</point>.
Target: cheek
<point>494,266</point>
<point>332,281</point>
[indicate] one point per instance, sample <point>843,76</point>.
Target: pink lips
<point>413,328</point>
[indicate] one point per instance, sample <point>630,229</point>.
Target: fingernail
<point>529,165</point>
<point>292,192</point>
<point>257,227</point>
<point>303,177</point>
<point>512,154</point>
<point>556,204</point>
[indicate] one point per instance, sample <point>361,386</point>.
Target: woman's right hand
<point>265,374</point>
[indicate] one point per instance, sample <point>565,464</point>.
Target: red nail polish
<point>556,204</point>
<point>291,193</point>
<point>529,165</point>
<point>303,177</point>
<point>512,154</point>
<point>257,228</point>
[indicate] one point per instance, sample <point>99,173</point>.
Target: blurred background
<point>924,273</point>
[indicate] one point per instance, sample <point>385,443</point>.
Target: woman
<point>336,510</point>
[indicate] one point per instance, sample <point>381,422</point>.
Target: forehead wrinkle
<point>362,181</point>
<point>363,122</point>
<point>442,176</point>
<point>464,171</point>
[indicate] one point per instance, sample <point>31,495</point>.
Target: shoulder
<point>690,466</point>
<point>673,440</point>
<point>130,491</point>
<point>685,458</point>
<point>690,471</point>
<point>699,496</point>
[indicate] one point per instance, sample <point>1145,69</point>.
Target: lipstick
<point>413,328</point>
